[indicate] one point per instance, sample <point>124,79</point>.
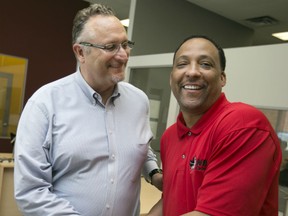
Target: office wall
<point>258,75</point>
<point>159,26</point>
<point>41,32</point>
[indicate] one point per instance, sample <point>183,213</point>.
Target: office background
<point>41,33</point>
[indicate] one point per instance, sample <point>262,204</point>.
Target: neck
<point>190,119</point>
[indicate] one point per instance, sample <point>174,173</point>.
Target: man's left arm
<point>151,171</point>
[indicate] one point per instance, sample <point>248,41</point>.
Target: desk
<point>8,205</point>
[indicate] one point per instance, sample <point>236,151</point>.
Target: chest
<point>91,134</point>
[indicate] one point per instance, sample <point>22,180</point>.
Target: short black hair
<point>220,50</point>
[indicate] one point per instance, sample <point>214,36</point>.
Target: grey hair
<point>83,15</point>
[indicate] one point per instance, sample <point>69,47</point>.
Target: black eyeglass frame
<point>110,47</point>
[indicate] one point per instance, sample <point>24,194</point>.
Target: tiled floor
<point>149,196</point>
<point>283,195</point>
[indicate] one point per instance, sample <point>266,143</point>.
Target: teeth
<point>191,87</point>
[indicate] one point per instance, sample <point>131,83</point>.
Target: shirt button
<point>189,133</point>
<point>183,156</point>
<point>107,206</point>
<point>112,181</point>
<point>113,156</point>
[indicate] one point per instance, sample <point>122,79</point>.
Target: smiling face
<point>100,68</point>
<point>197,79</point>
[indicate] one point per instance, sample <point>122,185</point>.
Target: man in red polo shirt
<point>219,158</point>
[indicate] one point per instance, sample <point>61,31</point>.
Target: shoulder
<point>49,94</point>
<point>124,86</point>
<point>244,111</point>
<point>171,131</point>
<point>129,90</point>
<point>52,88</point>
<point>243,115</point>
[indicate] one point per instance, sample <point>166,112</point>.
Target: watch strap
<point>154,171</point>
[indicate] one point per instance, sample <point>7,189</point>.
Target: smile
<point>191,87</point>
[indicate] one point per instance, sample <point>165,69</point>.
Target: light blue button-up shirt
<point>75,156</point>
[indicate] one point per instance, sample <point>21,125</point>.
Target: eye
<point>181,64</point>
<point>110,47</point>
<point>125,45</point>
<point>206,65</point>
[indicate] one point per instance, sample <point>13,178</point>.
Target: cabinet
<point>8,205</point>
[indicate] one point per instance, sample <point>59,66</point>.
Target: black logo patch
<point>198,164</point>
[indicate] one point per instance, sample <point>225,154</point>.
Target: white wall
<point>258,75</point>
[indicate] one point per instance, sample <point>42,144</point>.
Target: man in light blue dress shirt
<point>83,140</point>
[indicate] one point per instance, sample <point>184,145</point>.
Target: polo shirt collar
<point>209,116</point>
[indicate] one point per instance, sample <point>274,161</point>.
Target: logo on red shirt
<point>198,164</point>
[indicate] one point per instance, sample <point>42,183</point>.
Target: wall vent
<point>262,21</point>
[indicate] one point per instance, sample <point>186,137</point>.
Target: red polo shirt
<point>226,164</point>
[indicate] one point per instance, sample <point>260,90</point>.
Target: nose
<point>122,53</point>
<point>193,70</point>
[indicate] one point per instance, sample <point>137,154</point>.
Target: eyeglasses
<point>111,48</point>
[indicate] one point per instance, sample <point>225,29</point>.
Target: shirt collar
<point>211,114</point>
<point>97,97</point>
<point>93,96</point>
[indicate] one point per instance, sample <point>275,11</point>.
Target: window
<point>12,81</point>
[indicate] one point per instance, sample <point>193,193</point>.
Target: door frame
<point>152,61</point>
<point>6,108</point>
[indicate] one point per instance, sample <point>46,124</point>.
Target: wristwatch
<point>153,172</point>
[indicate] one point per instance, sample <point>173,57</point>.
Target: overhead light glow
<point>125,22</point>
<point>281,35</point>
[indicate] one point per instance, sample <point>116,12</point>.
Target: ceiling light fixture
<point>125,22</point>
<point>281,35</point>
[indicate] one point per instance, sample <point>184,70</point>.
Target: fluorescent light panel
<point>281,35</point>
<point>125,22</point>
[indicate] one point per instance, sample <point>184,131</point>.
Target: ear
<point>223,79</point>
<point>170,79</point>
<point>79,52</point>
